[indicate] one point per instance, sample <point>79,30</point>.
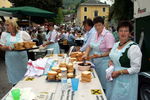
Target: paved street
<point>4,85</point>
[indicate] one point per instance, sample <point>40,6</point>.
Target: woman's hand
<point>96,56</point>
<point>44,45</point>
<point>110,63</point>
<point>85,57</point>
<point>77,49</point>
<point>7,48</point>
<point>115,74</point>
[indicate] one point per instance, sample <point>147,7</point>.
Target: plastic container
<point>64,79</point>
<point>85,67</point>
<point>75,83</point>
<point>16,94</point>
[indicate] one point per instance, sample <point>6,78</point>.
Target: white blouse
<point>135,56</point>
<point>24,35</point>
<point>52,36</point>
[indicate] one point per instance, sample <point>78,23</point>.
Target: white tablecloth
<point>40,84</point>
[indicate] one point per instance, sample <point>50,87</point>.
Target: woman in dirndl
<point>126,58</point>
<point>99,48</point>
<point>16,61</point>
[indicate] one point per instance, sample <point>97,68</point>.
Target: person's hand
<point>7,48</point>
<point>84,57</point>
<point>115,74</point>
<point>96,56</point>
<point>44,45</point>
<point>77,49</point>
<point>110,63</point>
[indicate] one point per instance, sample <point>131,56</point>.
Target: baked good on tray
<point>55,69</point>
<point>58,77</point>
<point>24,45</point>
<point>63,64</point>
<point>73,59</point>
<point>55,73</point>
<point>86,76</point>
<point>52,75</point>
<point>77,55</point>
<point>70,70</point>
<point>70,75</point>
<point>60,55</point>
<point>70,66</point>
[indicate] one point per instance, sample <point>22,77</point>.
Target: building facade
<point>91,9</point>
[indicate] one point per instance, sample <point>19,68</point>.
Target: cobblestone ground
<point>4,85</point>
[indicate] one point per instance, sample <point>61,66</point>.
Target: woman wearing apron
<point>52,39</point>
<point>126,59</point>
<point>99,48</point>
<point>16,61</point>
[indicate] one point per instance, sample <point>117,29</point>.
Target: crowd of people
<point>104,49</point>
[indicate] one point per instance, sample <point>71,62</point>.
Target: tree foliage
<point>121,10</point>
<point>82,1</point>
<point>70,4</point>
<point>59,19</point>
<point>50,5</point>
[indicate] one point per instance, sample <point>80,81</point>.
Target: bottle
<point>47,66</point>
<point>64,79</point>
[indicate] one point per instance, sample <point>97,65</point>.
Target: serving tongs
<point>84,62</point>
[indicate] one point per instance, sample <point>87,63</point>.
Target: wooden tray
<point>27,49</point>
<point>52,80</point>
<point>59,80</point>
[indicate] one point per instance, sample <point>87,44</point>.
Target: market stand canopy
<point>4,13</point>
<point>29,11</point>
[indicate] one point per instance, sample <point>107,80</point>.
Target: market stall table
<point>36,53</point>
<point>86,91</point>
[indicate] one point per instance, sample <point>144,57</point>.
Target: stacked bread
<point>19,46</point>
<point>63,64</point>
<point>77,55</point>
<point>73,59</point>
<point>52,75</point>
<point>86,76</point>
<point>60,55</point>
<point>70,75</point>
<point>28,45</point>
<point>70,70</point>
<point>57,69</point>
<point>24,45</point>
<point>55,74</point>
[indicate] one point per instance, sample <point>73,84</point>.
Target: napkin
<point>37,67</point>
<point>109,72</point>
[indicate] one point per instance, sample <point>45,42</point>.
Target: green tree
<point>59,19</point>
<point>50,5</point>
<point>70,4</point>
<point>82,1</point>
<point>121,10</point>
